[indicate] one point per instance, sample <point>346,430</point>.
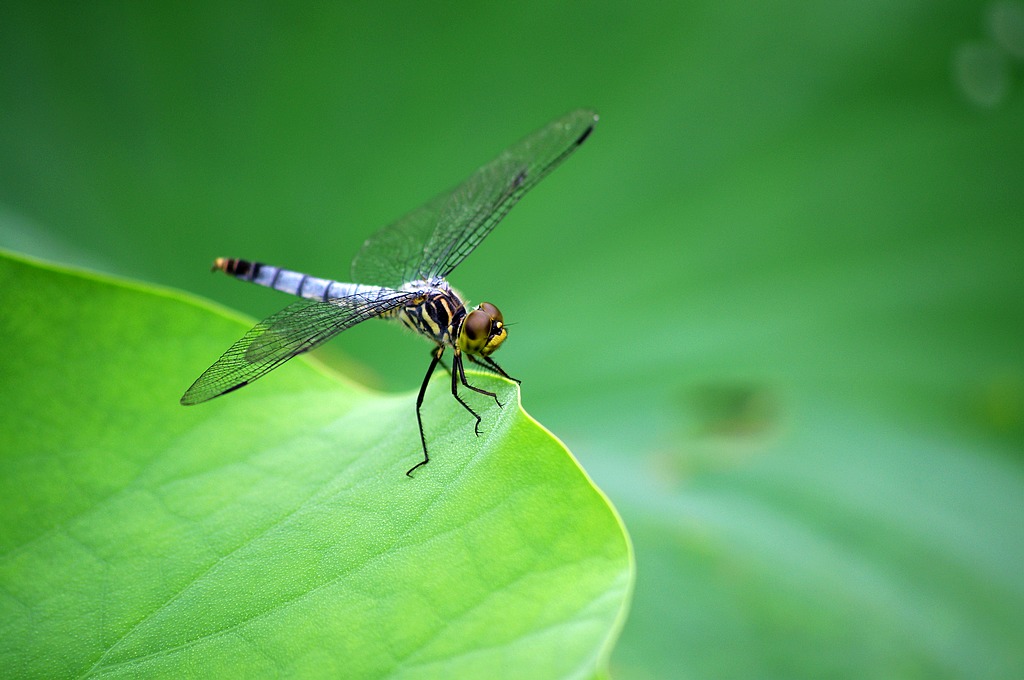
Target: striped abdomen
<point>291,282</point>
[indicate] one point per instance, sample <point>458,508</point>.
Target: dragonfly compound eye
<point>491,311</point>
<point>483,330</point>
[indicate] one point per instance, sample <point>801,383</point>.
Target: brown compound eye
<point>491,311</point>
<point>483,330</point>
<point>476,327</point>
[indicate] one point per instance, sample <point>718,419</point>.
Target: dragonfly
<point>402,270</point>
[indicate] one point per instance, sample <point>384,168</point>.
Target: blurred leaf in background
<point>775,305</point>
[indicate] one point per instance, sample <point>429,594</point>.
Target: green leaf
<point>274,531</point>
<point>775,304</point>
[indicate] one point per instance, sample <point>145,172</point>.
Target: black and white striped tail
<point>291,282</point>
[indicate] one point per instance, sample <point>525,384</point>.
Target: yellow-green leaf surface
<point>274,531</point>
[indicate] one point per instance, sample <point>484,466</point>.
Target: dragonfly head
<point>483,330</point>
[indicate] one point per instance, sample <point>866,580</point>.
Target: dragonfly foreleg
<point>490,363</point>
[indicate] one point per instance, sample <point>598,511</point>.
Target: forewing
<point>394,255</point>
<point>476,206</point>
<point>294,330</point>
<point>434,239</point>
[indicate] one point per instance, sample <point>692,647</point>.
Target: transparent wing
<point>297,328</point>
<point>432,240</point>
<point>392,256</point>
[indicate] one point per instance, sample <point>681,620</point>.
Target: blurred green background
<point>775,305</point>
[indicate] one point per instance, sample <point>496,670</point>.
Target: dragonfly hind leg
<point>435,359</point>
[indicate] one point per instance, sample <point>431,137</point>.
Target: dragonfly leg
<point>436,357</point>
<point>457,370</point>
<point>462,377</point>
<point>490,363</point>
